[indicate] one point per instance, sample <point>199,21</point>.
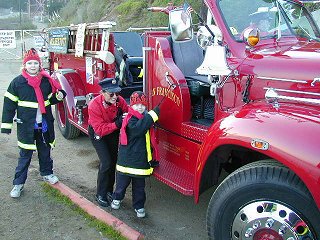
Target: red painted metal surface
<point>269,65</point>
<point>194,131</point>
<point>291,130</point>
<point>283,129</point>
<point>177,161</point>
<point>176,100</point>
<point>175,177</point>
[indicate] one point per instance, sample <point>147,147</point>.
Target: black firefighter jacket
<point>134,158</point>
<point>21,99</point>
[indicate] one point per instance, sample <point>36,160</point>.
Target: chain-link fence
<point>13,43</point>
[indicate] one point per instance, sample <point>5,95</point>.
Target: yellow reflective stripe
<point>153,115</point>
<point>134,171</point>
<point>27,146</point>
<point>140,74</point>
<point>6,125</point>
<point>148,146</point>
<point>28,104</point>
<point>50,95</point>
<point>53,144</point>
<point>11,97</point>
<point>32,104</point>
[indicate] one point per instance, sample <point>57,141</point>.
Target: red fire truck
<point>237,97</point>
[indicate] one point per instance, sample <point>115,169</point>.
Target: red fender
<point>284,129</point>
<point>72,84</point>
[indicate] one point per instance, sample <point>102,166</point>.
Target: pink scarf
<point>35,81</point>
<point>123,134</point>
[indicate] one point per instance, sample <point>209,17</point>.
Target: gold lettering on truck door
<point>167,93</point>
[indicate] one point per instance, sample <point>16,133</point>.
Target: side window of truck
<point>236,20</point>
<point>238,15</point>
<point>299,21</point>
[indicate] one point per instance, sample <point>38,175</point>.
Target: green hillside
<point>126,13</point>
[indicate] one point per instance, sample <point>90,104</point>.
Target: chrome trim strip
<point>293,91</point>
<point>144,69</point>
<point>272,97</point>
<point>283,79</point>
<point>314,81</point>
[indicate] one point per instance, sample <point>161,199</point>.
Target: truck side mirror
<point>180,23</point>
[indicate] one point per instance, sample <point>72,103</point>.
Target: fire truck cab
<point>236,97</point>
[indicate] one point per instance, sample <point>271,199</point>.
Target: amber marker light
<point>251,37</point>
<point>253,40</point>
<point>260,144</point>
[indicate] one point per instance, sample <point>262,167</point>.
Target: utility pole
<point>37,8</point>
<point>29,8</point>
<point>20,13</point>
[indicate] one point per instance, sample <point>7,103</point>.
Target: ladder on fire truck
<point>90,39</point>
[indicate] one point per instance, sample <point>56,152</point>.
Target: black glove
<point>154,163</point>
<point>157,110</point>
<point>118,121</point>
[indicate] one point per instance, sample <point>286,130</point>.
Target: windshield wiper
<point>279,22</point>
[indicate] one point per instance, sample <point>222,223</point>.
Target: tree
<point>14,4</point>
<point>312,6</point>
<point>54,6</point>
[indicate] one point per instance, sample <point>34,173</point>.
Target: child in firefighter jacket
<point>29,97</point>
<point>135,157</point>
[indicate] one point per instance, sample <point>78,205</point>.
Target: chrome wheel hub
<point>266,220</point>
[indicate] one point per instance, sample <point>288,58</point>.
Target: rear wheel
<point>263,200</point>
<point>66,128</point>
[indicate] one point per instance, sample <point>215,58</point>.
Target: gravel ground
<point>170,215</point>
<point>34,215</point>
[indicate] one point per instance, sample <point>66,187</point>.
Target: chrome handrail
<point>293,91</point>
<point>272,96</point>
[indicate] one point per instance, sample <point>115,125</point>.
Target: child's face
<point>139,107</point>
<point>32,67</point>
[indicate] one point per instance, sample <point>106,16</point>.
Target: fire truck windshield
<point>274,19</point>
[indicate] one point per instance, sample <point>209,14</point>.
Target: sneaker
<point>141,213</point>
<point>52,179</point>
<point>115,204</point>
<point>16,191</point>
<point>102,202</point>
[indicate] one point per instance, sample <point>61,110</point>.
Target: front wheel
<point>66,128</point>
<point>263,200</point>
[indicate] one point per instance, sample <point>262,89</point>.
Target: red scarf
<point>123,134</point>
<point>35,81</point>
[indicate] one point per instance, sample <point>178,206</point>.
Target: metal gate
<point>23,40</point>
<point>11,44</point>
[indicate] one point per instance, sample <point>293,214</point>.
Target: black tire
<point>265,183</point>
<point>67,130</point>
